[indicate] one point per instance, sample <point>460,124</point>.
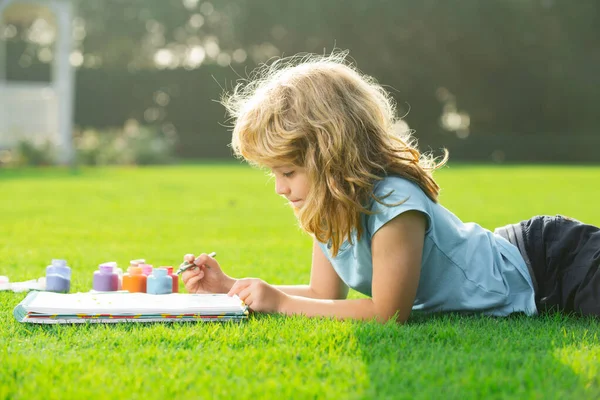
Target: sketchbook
<point>57,308</point>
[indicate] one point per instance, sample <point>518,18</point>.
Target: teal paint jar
<point>159,282</point>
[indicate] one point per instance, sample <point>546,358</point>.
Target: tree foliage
<point>467,68</point>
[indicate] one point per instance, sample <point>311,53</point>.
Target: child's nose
<point>281,188</point>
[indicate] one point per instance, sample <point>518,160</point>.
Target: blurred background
<point>138,81</point>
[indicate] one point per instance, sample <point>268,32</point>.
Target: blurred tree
<point>460,69</point>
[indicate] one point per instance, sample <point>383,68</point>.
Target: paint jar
<point>106,279</point>
<point>134,281</point>
<point>136,263</point>
<point>175,278</point>
<point>146,269</point>
<point>160,282</point>
<point>58,277</point>
<point>132,263</point>
<point>119,272</point>
<point>4,283</point>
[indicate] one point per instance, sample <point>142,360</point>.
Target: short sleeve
<point>400,190</point>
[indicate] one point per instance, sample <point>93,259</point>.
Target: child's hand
<point>206,277</point>
<point>258,295</point>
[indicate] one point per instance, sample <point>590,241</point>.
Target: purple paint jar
<point>58,277</point>
<point>106,279</point>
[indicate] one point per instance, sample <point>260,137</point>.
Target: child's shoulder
<point>393,196</point>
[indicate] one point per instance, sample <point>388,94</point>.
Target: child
<point>368,199</point>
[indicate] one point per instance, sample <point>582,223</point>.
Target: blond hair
<point>320,113</point>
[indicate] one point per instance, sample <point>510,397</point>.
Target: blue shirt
<point>464,266</point>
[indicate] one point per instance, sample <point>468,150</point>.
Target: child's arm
<point>397,250</point>
<point>324,281</point>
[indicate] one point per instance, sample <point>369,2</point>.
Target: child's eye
<point>288,174</point>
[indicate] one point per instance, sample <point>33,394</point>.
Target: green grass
<point>96,215</point>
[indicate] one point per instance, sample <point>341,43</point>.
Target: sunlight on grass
<point>583,360</point>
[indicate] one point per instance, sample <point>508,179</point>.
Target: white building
<point>39,111</point>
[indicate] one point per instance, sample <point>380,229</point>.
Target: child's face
<point>291,182</point>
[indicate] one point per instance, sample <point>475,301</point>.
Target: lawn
<point>161,213</point>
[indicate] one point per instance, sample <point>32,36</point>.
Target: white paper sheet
<point>133,303</point>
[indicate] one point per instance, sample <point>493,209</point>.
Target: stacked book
<point>111,307</point>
